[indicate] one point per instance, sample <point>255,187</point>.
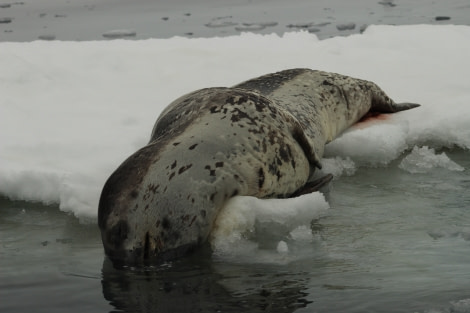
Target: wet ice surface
<point>91,20</point>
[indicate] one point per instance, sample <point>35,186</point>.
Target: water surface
<point>391,241</point>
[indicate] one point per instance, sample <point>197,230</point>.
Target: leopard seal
<point>263,137</point>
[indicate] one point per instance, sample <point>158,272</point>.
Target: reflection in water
<point>200,286</point>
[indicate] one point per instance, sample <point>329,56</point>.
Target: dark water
<point>391,242</point>
<point>141,19</point>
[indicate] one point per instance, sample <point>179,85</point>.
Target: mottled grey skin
<point>262,138</point>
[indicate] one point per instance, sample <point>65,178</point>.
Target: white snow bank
<point>71,112</point>
<point>245,222</point>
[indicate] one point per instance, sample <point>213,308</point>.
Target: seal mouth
<point>148,256</point>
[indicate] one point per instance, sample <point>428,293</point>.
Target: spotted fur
<point>262,138</point>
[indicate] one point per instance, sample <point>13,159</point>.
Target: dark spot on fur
<point>171,176</point>
<point>192,221</point>
<point>219,164</point>
<point>327,83</point>
<point>153,188</point>
<point>203,213</point>
<point>212,196</point>
<point>184,168</point>
<point>176,143</point>
<point>268,83</point>
<point>211,171</point>
<point>285,153</point>
<point>166,223</point>
<point>236,99</point>
<point>235,192</point>
<point>134,194</point>
<point>193,146</point>
<point>272,168</point>
<point>260,177</point>
<point>173,165</point>
<point>238,114</point>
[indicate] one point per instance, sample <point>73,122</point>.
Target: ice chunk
<point>425,159</point>
<point>377,144</point>
<point>120,33</point>
<point>246,223</point>
<point>461,306</point>
<point>282,247</point>
<point>338,166</point>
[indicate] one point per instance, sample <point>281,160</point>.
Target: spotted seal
<point>263,137</point>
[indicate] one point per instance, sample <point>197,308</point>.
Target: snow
<point>246,221</point>
<point>71,112</point>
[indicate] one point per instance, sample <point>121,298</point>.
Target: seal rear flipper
<point>391,107</point>
<point>405,106</point>
<point>397,107</point>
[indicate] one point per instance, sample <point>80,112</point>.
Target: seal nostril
<point>146,246</point>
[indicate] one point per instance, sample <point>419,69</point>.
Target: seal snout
<point>118,233</point>
<point>123,252</point>
<point>113,241</point>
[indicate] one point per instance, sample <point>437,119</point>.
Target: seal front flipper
<point>313,186</point>
<point>307,147</point>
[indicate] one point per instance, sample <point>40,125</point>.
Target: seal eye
<point>166,223</point>
<point>260,177</point>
